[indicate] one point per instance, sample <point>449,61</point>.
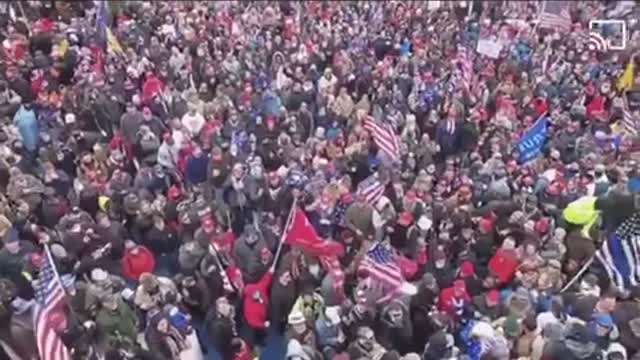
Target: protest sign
<point>490,48</point>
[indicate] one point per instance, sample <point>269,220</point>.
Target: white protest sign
<point>433,4</point>
<point>489,48</point>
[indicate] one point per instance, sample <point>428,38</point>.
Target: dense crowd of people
<point>154,151</point>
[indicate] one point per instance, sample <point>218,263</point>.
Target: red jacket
<point>504,265</point>
<point>256,302</point>
<point>245,353</point>
<point>451,304</point>
<point>138,262</point>
<point>151,88</point>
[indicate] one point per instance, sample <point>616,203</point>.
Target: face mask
<point>440,264</point>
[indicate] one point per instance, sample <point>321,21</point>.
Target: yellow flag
<point>63,47</point>
<point>626,80</point>
<point>113,43</point>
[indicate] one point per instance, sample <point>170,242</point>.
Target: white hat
<point>296,317</point>
<point>382,202</point>
<point>333,314</point>
<point>483,330</point>
<point>408,288</point>
<point>70,118</point>
<point>98,275</point>
<point>424,223</point>
<point>58,251</point>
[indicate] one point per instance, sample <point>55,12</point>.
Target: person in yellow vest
<point>583,222</point>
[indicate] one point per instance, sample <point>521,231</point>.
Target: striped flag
<point>555,15</point>
<point>384,137</point>
<point>628,122</point>
<point>371,189</point>
<point>381,265</point>
<point>48,311</point>
<point>620,254</point>
<point>466,67</point>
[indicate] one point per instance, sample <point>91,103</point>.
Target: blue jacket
<point>197,169</point>
<point>327,333</point>
<point>271,104</point>
<point>27,124</point>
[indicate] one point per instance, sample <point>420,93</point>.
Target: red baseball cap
<point>467,269</point>
<point>493,297</point>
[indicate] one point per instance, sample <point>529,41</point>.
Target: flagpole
<point>284,234</point>
<point>576,276</point>
<point>221,271</point>
<point>53,267</point>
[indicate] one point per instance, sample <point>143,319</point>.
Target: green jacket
<point>119,323</point>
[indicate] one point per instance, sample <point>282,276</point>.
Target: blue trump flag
<point>532,142</point>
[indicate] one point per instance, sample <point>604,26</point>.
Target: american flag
<point>384,137</point>
<point>372,190</point>
<point>555,15</point>
<point>49,296</point>
<point>464,62</point>
<point>629,123</point>
<point>382,266</point>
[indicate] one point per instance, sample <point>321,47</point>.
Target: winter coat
<point>306,338</point>
<point>359,216</point>
<point>121,322</point>
<point>256,302</point>
<point>165,346</point>
<point>197,169</point>
<point>145,301</point>
<point>283,299</point>
<point>190,259</point>
<point>452,304</point>
<point>248,257</point>
<point>221,332</point>
<point>27,123</point>
<point>397,336</point>
<point>130,124</point>
<point>328,334</point>
<point>624,312</point>
<point>572,350</point>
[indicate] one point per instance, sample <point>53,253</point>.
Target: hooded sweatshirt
<point>256,302</point>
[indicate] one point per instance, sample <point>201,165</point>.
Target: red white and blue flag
<point>372,190</point>
<point>384,137</point>
<point>555,15</point>
<point>49,315</point>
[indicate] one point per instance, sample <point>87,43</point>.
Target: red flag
<point>301,233</point>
